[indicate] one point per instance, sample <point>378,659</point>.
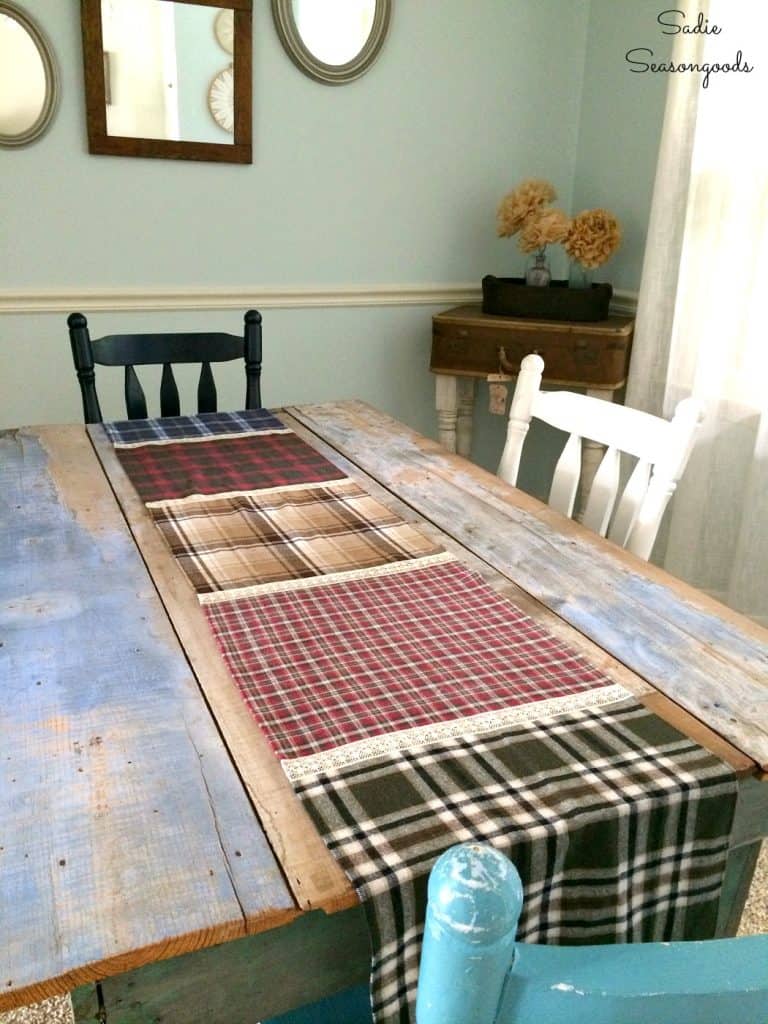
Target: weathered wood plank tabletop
<point>137,825</point>
<point>125,834</point>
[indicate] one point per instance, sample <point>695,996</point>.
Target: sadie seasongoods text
<point>673,22</point>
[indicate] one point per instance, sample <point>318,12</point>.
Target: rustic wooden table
<point>149,837</point>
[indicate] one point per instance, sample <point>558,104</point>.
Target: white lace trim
<point>309,583</point>
<point>159,441</point>
<point>189,498</point>
<point>486,721</point>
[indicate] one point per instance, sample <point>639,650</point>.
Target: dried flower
<point>518,205</point>
<point>543,228</point>
<point>593,238</point>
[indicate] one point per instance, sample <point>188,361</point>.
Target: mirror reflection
<point>334,31</point>
<point>22,78</point>
<point>27,78</point>
<point>168,70</point>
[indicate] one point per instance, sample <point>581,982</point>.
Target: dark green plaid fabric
<point>618,825</point>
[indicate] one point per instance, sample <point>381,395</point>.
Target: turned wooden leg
<point>466,388</point>
<point>447,405</point>
<point>455,404</point>
<point>591,455</point>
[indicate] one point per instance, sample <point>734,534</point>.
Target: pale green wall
<point>619,131</point>
<point>394,179</point>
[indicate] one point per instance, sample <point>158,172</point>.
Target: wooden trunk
<point>466,341</point>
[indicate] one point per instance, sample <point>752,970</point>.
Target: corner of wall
<point>620,120</point>
<point>581,46</point>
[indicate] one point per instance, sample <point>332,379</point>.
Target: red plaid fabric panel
<point>167,471</point>
<point>331,665</point>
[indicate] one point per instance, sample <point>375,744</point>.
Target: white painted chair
<point>661,447</point>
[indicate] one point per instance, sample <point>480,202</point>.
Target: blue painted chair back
<point>473,972</point>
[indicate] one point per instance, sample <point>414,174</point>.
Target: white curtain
<point>701,313</point>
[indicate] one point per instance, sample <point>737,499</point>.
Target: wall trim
<point>624,302</point>
<point>89,300</point>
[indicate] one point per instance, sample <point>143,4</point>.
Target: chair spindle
<point>626,514</point>
<point>169,393</point>
<point>135,400</point>
<point>602,493</point>
<point>565,481</point>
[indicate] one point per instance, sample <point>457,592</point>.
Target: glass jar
<point>537,272</point>
<point>579,276</point>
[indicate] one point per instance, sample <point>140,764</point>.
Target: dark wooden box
<point>511,296</point>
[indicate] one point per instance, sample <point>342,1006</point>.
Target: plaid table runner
<point>413,707</point>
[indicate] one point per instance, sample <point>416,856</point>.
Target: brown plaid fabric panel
<point>242,540</point>
<point>617,823</point>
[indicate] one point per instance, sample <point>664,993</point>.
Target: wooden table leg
<point>447,405</point>
<point>455,403</point>
<point>591,454</point>
<point>465,413</point>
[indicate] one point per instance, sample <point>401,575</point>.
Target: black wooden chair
<point>130,350</point>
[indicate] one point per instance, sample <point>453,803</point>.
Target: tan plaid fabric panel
<point>224,543</point>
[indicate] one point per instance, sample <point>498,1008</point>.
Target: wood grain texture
<point>125,834</point>
<point>314,877</point>
<point>704,657</point>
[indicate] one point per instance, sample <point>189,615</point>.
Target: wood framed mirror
<point>169,78</point>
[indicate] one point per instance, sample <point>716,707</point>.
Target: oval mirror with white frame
<point>29,82</point>
<point>332,41</point>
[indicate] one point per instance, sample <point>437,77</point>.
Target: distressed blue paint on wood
<point>472,972</point>
<point>475,898</point>
<point>123,824</point>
